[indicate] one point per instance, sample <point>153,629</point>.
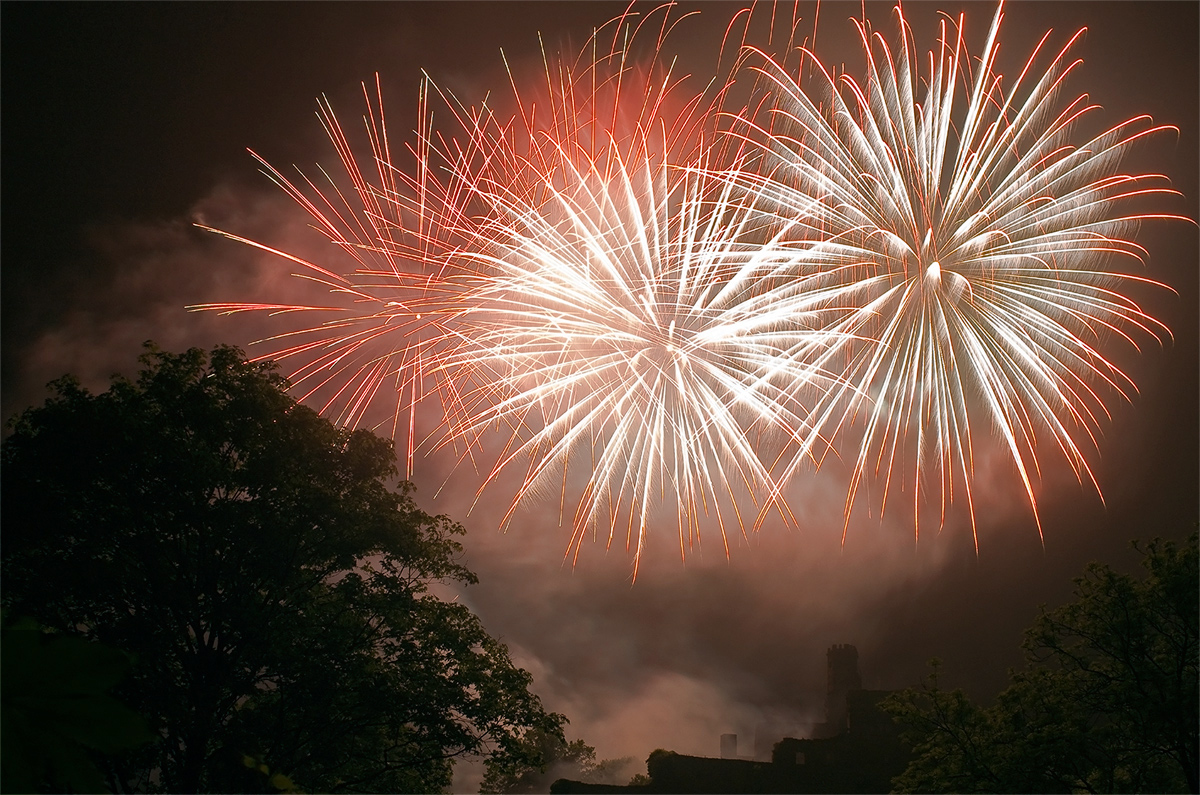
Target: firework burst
<point>380,339</point>
<point>631,318</point>
<point>629,296</point>
<point>979,237</point>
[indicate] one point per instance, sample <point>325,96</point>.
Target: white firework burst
<point>983,242</point>
<point>634,326</point>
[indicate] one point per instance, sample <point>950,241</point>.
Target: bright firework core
<point>628,330</point>
<point>635,297</point>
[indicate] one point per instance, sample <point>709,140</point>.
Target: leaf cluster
<point>57,708</point>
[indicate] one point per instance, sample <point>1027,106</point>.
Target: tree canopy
<point>271,582</point>
<point>1109,701</point>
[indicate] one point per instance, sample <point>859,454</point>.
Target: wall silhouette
<point>856,749</point>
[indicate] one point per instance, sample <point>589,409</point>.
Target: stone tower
<point>843,677</point>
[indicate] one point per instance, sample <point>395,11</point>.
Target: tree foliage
<point>273,587</point>
<point>1109,701</point>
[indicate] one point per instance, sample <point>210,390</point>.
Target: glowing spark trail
<point>979,240</point>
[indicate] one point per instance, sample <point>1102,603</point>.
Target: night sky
<point>124,123</point>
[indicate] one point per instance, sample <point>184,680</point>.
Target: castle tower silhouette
<point>842,678</point>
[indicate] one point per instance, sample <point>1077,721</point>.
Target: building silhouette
<point>842,678</point>
<point>856,749</point>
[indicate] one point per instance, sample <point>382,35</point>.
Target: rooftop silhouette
<point>856,749</point>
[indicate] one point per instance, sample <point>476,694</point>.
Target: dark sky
<point>124,122</point>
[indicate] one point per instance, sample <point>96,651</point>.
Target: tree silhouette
<point>272,586</point>
<point>1108,703</point>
